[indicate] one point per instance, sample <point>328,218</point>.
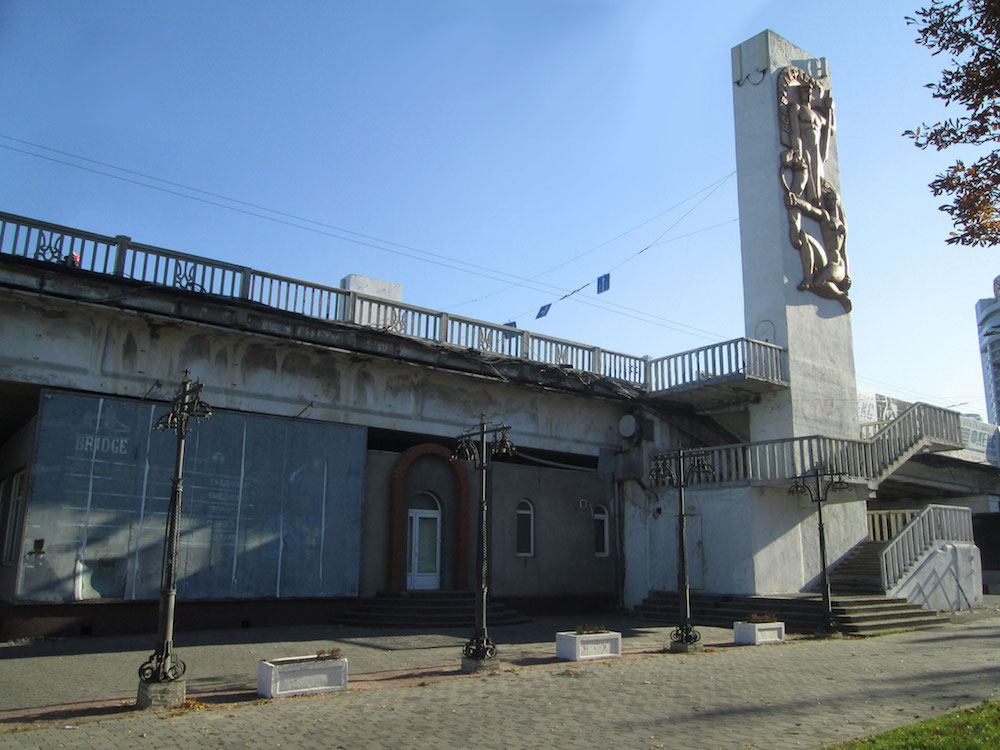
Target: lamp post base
<point>169,694</point>
<point>471,665</point>
<point>680,647</point>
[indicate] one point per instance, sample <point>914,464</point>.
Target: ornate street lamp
<point>678,468</point>
<point>801,487</point>
<point>479,445</point>
<point>163,665</point>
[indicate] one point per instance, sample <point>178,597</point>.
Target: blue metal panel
<point>271,506</point>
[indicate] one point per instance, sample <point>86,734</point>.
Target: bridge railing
<point>119,256</point>
<point>785,459</point>
<point>39,240</point>
<point>743,356</point>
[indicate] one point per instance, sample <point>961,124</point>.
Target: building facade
<point>327,474</point>
<point>988,324</point>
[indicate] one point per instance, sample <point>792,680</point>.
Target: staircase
<point>427,610</point>
<point>921,428</point>
<point>874,615</point>
<point>860,572</point>
<point>855,615</point>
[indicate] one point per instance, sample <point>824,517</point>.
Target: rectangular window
<point>525,546</point>
<point>600,531</point>
<point>11,501</point>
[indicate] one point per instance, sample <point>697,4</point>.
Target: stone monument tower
<point>793,235</point>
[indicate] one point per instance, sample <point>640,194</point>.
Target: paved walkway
<point>803,694</point>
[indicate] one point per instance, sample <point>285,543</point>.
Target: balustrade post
<point>647,373</point>
<point>595,361</point>
<point>526,345</point>
<point>444,324</point>
<point>245,276</point>
<point>121,247</point>
<point>352,304</point>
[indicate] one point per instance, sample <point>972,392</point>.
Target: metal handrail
<point>935,523</point>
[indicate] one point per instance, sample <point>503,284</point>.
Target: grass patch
<point>971,729</point>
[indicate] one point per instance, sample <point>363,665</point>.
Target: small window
<point>11,500</point>
<point>525,529</point>
<point>600,531</point>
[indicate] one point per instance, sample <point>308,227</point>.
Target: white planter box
<point>579,647</point>
<point>756,633</point>
<point>300,675</point>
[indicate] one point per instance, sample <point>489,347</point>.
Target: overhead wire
<point>377,243</point>
<point>715,186</point>
<point>711,186</point>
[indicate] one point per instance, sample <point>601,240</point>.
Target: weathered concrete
<point>816,331</point>
<point>949,578</point>
<point>248,362</point>
<point>160,695</point>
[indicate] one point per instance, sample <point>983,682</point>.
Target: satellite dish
<point>628,426</point>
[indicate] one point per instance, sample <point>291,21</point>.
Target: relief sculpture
<point>807,125</point>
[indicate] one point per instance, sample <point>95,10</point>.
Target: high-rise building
<point>988,319</point>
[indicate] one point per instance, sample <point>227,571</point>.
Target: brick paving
<point>802,694</point>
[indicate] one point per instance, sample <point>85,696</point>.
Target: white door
<point>423,549</point>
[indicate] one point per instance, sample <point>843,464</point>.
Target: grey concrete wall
<point>564,563</point>
<point>785,532</point>
<point>741,540</point>
<point>949,578</point>
<point>816,331</point>
<point>375,523</point>
<point>104,350</point>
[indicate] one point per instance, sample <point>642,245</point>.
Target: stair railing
<point>872,459</point>
<point>934,524</point>
<point>920,424</point>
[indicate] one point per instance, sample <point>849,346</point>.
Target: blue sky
<point>492,142</point>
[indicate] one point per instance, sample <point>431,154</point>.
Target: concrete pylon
<point>793,236</point>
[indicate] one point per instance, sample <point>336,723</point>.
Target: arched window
<point>525,529</point>
<point>600,531</point>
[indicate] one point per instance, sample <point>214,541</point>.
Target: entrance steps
<point>855,615</point>
<point>860,572</point>
<point>426,609</point>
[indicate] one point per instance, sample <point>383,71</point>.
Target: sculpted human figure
<point>811,128</point>
<point>808,125</point>
<point>824,264</point>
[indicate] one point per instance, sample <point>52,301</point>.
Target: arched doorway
<point>425,474</point>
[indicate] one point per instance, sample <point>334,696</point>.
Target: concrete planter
<point>300,675</point>
<point>757,633</point>
<point>583,646</point>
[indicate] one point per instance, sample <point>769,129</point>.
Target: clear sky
<point>495,154</point>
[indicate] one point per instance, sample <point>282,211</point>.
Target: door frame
<point>416,581</point>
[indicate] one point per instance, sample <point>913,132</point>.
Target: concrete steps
<point>860,572</point>
<point>855,615</point>
<point>426,609</point>
<point>873,615</point>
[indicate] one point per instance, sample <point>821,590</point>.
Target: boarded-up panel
<point>271,507</point>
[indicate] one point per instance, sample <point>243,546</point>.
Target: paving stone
<point>802,694</point>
